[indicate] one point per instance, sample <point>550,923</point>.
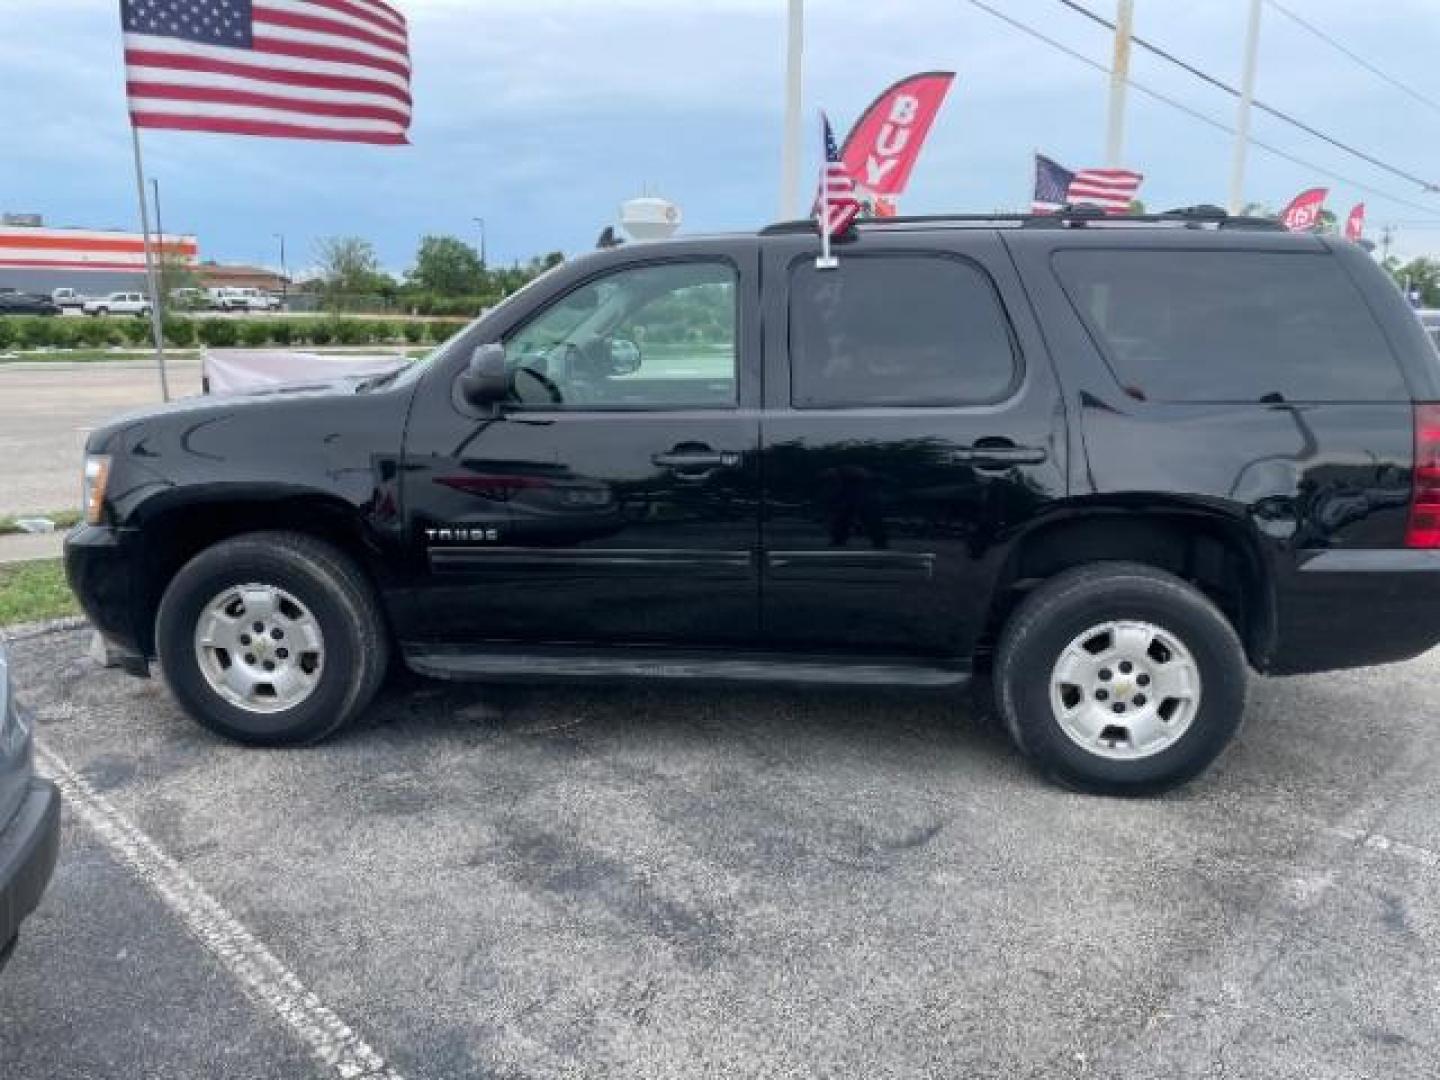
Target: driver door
<point>615,497</point>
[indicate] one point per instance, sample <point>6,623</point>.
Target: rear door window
<point>1223,326</point>
<point>906,330</point>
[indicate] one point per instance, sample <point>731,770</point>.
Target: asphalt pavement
<point>48,409</point>
<point>658,882</point>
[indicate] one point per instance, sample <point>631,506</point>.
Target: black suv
<point>1104,466</point>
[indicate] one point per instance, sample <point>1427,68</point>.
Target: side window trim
<point>717,259</point>
<point>1017,353</point>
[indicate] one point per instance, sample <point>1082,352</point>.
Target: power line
<point>1393,170</point>
<point>1195,114</point>
<point>1341,47</point>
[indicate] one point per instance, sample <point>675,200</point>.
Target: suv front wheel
<point>1119,678</point>
<point>271,639</point>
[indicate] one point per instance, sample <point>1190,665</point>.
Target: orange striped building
<point>92,261</point>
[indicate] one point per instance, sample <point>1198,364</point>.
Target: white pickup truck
<point>119,303</point>
<point>238,299</point>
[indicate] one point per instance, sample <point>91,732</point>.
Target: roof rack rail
<point>1067,217</point>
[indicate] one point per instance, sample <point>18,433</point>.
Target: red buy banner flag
<point>1303,213</point>
<point>881,149</point>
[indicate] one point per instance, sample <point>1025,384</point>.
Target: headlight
<point>97,475</point>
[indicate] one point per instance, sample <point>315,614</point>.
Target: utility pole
<point>791,150</point>
<point>1242,119</point>
<point>1119,84</point>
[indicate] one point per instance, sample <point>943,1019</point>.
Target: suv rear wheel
<point>1118,678</point>
<point>272,639</point>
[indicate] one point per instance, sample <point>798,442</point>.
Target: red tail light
<point>1424,528</point>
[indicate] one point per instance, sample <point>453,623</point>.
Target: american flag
<point>837,205</point>
<point>302,69</point>
<point>1055,186</point>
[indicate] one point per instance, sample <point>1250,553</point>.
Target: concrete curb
<point>26,631</point>
<point>32,547</point>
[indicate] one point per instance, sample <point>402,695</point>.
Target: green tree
<point>174,274</point>
<point>1422,274</point>
<point>447,266</point>
<point>350,267</point>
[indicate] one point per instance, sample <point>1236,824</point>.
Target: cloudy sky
<point>543,115</point>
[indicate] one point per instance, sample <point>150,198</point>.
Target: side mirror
<point>485,380</point>
<point>624,357</point>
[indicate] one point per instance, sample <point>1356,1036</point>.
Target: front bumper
<point>29,846</point>
<point>105,570</point>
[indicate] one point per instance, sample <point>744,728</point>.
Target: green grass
<point>32,591</point>
<point>63,519</point>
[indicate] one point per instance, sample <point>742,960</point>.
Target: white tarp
<point>243,371</point>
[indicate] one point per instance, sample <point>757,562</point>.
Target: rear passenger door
<point>912,423</point>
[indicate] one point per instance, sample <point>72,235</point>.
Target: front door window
<point>651,337</point>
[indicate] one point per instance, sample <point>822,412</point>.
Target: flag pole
<point>826,261</point>
<point>157,325</point>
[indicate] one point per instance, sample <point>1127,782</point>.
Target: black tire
<point>1065,607</point>
<point>323,579</point>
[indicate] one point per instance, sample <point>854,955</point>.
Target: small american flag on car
<point>1110,189</point>
<point>305,69</point>
<point>837,204</point>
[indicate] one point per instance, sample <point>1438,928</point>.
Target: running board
<point>507,664</point>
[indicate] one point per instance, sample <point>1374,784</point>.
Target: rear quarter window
<point>1225,326</point>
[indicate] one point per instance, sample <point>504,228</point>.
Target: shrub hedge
<point>185,332</point>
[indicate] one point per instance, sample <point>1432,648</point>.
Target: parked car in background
<point>189,299</point>
<point>120,303</point>
<point>1106,466</point>
<point>67,298</point>
<point>27,304</point>
<point>29,819</point>
<point>239,299</point>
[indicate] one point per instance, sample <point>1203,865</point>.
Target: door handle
<point>696,460</point>
<point>998,455</point>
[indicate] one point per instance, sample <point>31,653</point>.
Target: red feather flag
<point>1355,224</point>
<point>1303,213</point>
<point>881,149</point>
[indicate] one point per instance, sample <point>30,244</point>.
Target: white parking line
<point>256,968</point>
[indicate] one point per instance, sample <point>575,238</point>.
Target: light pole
<point>159,235</point>
<point>1242,120</point>
<point>790,148</point>
<point>284,273</point>
<point>481,222</point>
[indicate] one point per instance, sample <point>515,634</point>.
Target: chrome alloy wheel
<point>259,648</point>
<point>1125,690</point>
